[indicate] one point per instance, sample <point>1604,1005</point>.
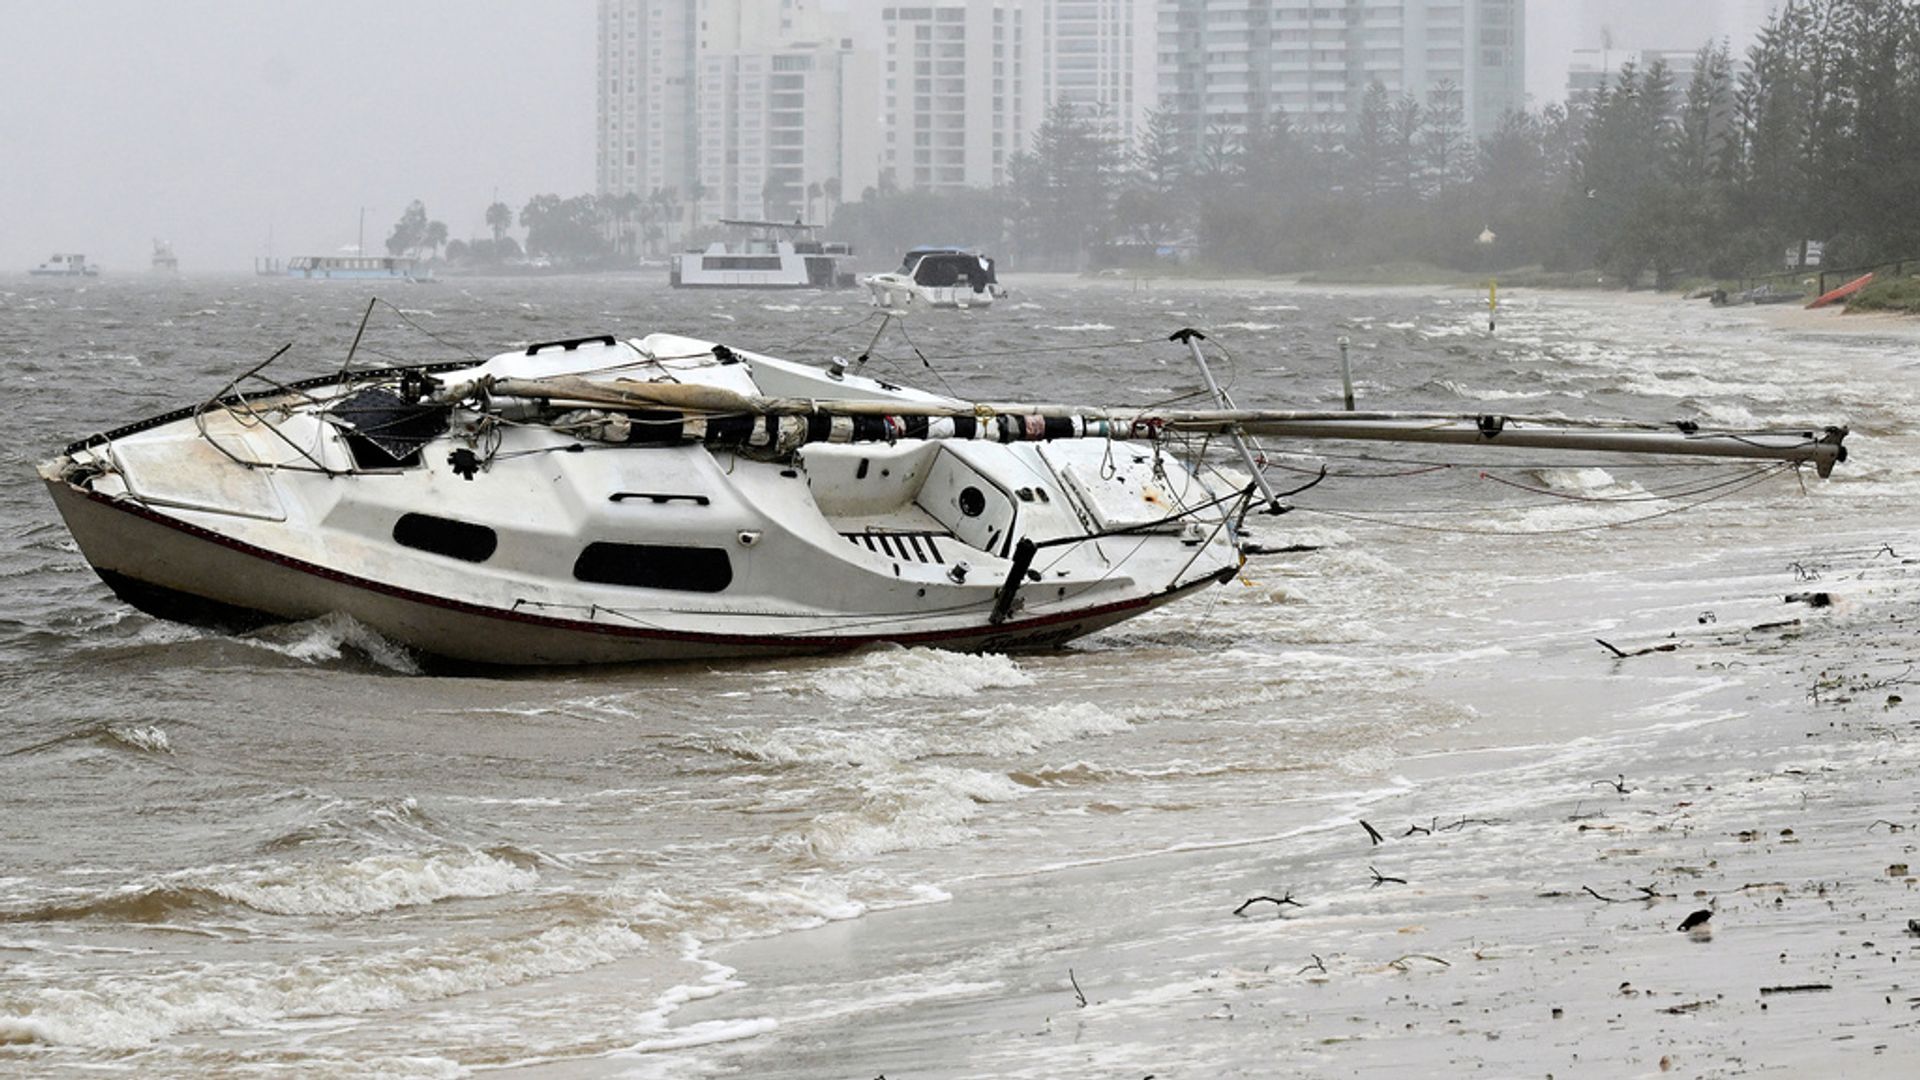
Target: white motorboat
<point>944,277</point>
<point>597,500</point>
<point>774,255</point>
<point>64,265</point>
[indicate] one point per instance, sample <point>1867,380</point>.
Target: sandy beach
<point>1524,919</point>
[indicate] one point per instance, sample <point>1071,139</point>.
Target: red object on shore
<point>1842,292</point>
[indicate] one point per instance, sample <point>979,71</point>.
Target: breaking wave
<point>151,738</point>
<point>135,1011</point>
<point>363,887</point>
<point>893,672</point>
<point>331,637</point>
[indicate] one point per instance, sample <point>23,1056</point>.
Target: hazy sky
<point>211,122</point>
<point>207,122</point>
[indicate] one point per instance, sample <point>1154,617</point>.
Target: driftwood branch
<point>1380,879</point>
<point>1618,784</point>
<point>1318,965</point>
<point>1620,654</point>
<point>1588,889</point>
<point>1279,901</point>
<point>1799,988</point>
<point>1079,996</point>
<point>1402,962</point>
<point>1372,833</point>
<point>1891,825</point>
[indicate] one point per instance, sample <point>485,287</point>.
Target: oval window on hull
<point>655,566</point>
<point>441,536</point>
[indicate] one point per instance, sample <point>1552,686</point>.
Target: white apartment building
<point>955,89</point>
<point>645,118</point>
<point>780,129</point>
<point>1224,61</point>
<point>1099,56</point>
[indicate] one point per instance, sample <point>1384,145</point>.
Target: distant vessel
<point>59,265</point>
<point>357,267</point>
<point>778,255</point>
<point>937,277</point>
<point>163,258</point>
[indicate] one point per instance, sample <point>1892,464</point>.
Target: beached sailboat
<point>598,500</point>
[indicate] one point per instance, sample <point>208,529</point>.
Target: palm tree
<point>694,194</point>
<point>624,206</point>
<point>435,236</point>
<point>499,219</point>
<point>831,189</point>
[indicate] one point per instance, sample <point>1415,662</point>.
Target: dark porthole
<point>973,502</point>
<point>454,539</point>
<point>655,566</point>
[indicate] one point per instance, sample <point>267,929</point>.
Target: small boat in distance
<point>937,277</point>
<point>63,265</point>
<point>357,268</point>
<point>164,261</point>
<point>776,255</point>
<point>1764,294</point>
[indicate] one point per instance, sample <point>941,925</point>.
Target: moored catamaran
<point>597,500</point>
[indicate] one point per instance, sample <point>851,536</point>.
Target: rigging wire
<point>1760,476</point>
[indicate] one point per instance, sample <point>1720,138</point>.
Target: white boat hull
<point>900,292</point>
<point>614,553</point>
<point>172,569</point>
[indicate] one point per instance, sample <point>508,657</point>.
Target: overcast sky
<point>211,122</point>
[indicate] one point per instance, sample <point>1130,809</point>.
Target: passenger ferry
<point>60,265</point>
<point>776,255</point>
<point>358,268</point>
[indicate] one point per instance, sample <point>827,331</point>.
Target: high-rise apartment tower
<point>1223,62</point>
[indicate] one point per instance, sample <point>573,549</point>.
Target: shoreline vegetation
<point>1892,295</point>
<point>1768,168</point>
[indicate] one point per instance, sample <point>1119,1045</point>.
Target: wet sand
<point>1533,926</point>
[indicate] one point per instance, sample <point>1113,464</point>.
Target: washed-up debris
<point>1811,599</point>
<point>1618,784</point>
<point>1698,918</point>
<point>1620,654</point>
<point>1380,879</point>
<point>1800,988</point>
<point>1372,833</point>
<point>1278,901</point>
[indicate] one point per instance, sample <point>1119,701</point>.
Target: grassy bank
<point>1901,295</point>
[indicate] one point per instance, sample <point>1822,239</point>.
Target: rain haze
<point>213,125</point>
<point>237,130</point>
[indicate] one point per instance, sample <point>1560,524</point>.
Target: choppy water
<point>295,852</point>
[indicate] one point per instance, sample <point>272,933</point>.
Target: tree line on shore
<point>1815,137</point>
<point>1812,137</point>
